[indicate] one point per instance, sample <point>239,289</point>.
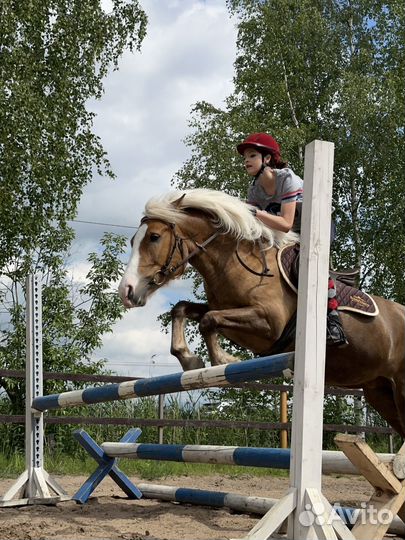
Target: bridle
<point>168,269</point>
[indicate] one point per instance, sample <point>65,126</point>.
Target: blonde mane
<point>234,216</point>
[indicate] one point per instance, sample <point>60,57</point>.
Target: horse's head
<point>157,255</point>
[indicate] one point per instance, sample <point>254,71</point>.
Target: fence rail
<point>166,422</point>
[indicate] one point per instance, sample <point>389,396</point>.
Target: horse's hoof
<point>192,362</point>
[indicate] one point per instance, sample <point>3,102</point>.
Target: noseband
<point>167,269</point>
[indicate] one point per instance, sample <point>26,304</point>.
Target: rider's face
<point>253,160</point>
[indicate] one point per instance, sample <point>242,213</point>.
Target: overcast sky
<point>187,56</point>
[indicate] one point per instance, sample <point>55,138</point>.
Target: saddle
<point>350,298</point>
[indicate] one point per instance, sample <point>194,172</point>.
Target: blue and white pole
<point>279,365</point>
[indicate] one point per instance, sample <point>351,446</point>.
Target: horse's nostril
<point>130,292</point>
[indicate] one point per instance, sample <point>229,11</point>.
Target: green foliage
<point>73,320</point>
<point>329,70</point>
<point>55,54</point>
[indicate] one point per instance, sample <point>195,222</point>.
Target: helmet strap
<point>260,172</point>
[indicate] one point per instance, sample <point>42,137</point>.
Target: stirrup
<point>334,332</point>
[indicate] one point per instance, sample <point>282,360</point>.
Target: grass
<point>63,464</point>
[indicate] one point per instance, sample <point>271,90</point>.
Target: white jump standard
<point>35,485</point>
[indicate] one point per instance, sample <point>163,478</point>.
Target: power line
<point>136,364</point>
<point>103,224</point>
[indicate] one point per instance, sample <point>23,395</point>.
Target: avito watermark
<point>319,515</point>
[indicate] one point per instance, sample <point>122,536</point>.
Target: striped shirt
<point>289,188</point>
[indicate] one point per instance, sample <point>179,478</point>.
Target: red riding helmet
<point>261,141</point>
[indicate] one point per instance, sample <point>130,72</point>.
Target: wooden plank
<point>310,343</point>
<point>374,521</point>
<point>84,420</point>
<point>73,377</point>
<point>40,483</point>
<point>322,524</point>
<point>15,488</point>
<point>366,461</point>
<point>274,518</point>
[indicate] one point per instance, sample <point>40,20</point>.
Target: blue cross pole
<point>107,465</point>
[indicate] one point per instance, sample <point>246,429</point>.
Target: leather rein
<point>266,270</point>
<point>167,269</point>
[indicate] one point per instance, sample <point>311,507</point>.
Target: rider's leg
<point>334,330</point>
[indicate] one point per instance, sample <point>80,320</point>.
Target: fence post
<point>161,414</point>
<point>283,419</point>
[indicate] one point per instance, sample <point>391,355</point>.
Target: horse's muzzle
<point>132,299</point>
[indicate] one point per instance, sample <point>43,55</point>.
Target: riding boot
<point>334,330</point>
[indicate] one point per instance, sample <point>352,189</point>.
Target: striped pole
<point>278,365</point>
<point>234,501</point>
<point>274,458</point>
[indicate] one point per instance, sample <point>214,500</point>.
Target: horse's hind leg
<point>180,313</point>
<point>380,394</point>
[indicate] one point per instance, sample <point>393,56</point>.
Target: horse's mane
<point>232,215</point>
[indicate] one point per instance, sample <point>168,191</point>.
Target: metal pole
<point>283,419</point>
<point>34,423</point>
<point>161,404</point>
<point>34,485</point>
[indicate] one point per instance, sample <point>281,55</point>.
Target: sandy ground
<point>110,515</point>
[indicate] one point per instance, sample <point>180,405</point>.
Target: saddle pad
<point>349,298</point>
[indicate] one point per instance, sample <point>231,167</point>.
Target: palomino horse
<point>218,235</point>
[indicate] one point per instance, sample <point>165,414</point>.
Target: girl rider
<point>276,191</point>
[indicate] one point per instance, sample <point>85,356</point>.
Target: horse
<point>248,301</point>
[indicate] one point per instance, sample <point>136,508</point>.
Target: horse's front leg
<point>245,321</point>
<point>180,313</point>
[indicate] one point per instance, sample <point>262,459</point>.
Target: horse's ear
<point>178,201</point>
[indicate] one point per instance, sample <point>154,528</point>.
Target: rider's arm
<point>283,222</point>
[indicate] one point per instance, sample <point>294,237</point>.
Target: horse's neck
<point>214,259</point>
<point>197,231</point>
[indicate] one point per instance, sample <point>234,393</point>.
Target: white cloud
<point>142,118</point>
<point>138,346</point>
<point>187,56</point>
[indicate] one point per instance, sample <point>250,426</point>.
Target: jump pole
<point>242,503</point>
<point>107,454</point>
<point>333,462</point>
<point>278,365</point>
<point>304,498</point>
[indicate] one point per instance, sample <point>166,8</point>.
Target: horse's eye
<point>154,237</point>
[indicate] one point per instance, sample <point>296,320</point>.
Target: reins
<point>266,270</point>
<point>167,269</point>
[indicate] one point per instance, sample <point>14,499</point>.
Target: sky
<point>142,119</point>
